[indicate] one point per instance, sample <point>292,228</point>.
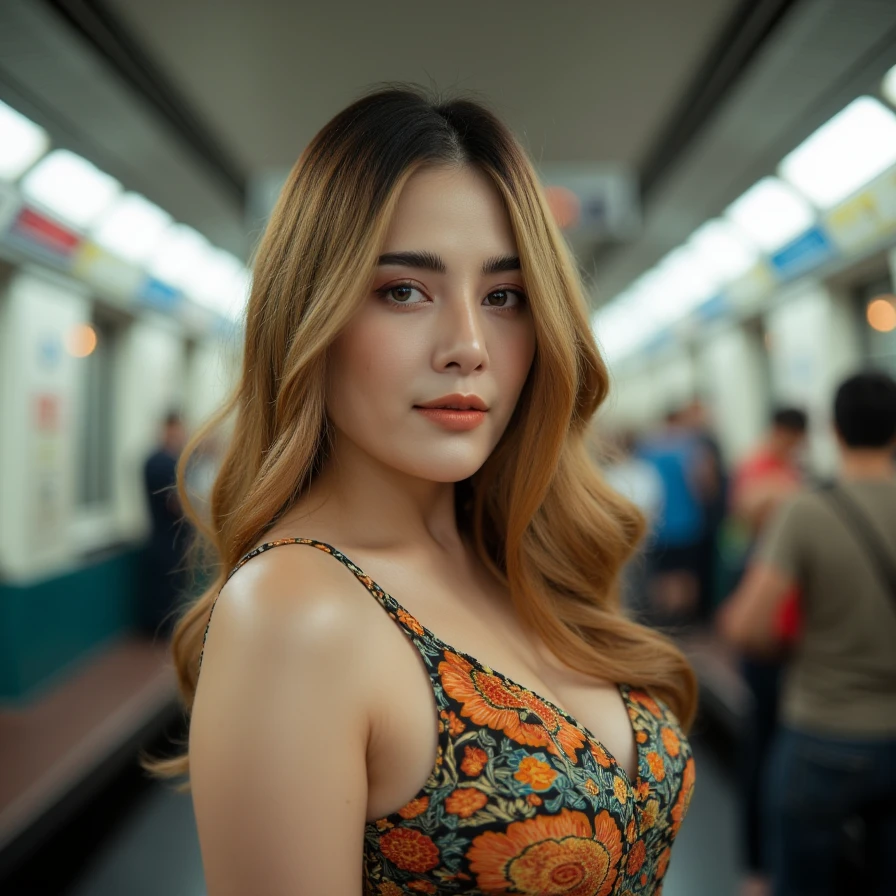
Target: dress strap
<point>395,610</point>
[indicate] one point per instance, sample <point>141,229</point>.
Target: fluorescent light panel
<point>222,284</point>
<point>132,228</point>
<point>179,257</point>
<point>771,214</point>
<point>723,252</point>
<point>854,147</point>
<point>22,143</point>
<point>682,284</point>
<point>70,187</point>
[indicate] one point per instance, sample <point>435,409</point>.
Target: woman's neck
<point>374,505</point>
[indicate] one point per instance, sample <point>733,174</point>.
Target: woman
<point>418,377</point>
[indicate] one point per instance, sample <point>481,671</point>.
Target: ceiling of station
<point>224,92</point>
<point>581,80</point>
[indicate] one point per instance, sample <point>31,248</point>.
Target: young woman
<point>471,713</point>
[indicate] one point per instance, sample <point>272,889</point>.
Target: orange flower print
<point>657,767</point>
<point>636,858</point>
<point>534,799</point>
<point>643,878</point>
<point>409,850</point>
<point>641,737</point>
<point>538,775</point>
<point>453,724</point>
<point>601,757</point>
<point>643,791</point>
<point>410,622</point>
<point>671,742</point>
<point>503,706</point>
<point>387,888</point>
<point>474,761</point>
<point>630,831</point>
<point>680,809</point>
<point>465,801</point>
<point>383,825</point>
<point>620,789</point>
<point>592,787</point>
<point>552,854</point>
<point>415,808</point>
<point>422,886</point>
<point>663,863</point>
<point>649,814</point>
<point>647,702</point>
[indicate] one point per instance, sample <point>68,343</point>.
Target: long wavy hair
<point>539,514</point>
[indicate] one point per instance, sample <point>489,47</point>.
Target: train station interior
<point>723,174</point>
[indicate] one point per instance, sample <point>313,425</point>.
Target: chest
<point>406,719</point>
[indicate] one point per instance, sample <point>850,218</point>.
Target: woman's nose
<point>460,337</point>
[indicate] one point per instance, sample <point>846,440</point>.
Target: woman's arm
<point>279,732</point>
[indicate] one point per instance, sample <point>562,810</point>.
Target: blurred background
<point>724,171</point>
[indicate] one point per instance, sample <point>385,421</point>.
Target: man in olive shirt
<point>835,755</point>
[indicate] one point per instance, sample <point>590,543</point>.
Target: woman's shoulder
<point>293,596</point>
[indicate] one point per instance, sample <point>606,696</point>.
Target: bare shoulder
<point>280,728</point>
<point>293,592</point>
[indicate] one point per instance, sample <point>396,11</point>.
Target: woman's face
<point>446,323</point>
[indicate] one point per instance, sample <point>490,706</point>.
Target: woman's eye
<point>503,298</point>
<point>402,294</point>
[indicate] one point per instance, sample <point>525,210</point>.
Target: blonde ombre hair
<point>539,514</point>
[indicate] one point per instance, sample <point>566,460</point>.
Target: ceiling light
<point>723,252</point>
<point>222,285</point>
<point>70,187</point>
<point>617,328</point>
<point>771,214</point>
<point>22,143</point>
<point>888,87</point>
<point>854,147</point>
<point>682,283</point>
<point>132,228</point>
<point>178,257</point>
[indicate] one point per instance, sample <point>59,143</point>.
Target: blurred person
<point>834,756</point>
<point>674,546</point>
<point>713,495</point>
<point>771,474</point>
<point>637,480</point>
<point>419,378</point>
<point>634,477</point>
<point>762,482</point>
<point>164,580</point>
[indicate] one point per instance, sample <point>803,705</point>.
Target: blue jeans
<point>815,784</point>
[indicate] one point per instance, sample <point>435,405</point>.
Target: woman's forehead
<point>446,209</point>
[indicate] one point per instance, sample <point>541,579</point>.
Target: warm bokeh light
<point>565,206</point>
<point>81,341</point>
<point>882,313</point>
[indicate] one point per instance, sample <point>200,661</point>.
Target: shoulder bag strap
<point>866,534</point>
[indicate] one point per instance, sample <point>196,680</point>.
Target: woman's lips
<point>453,419</point>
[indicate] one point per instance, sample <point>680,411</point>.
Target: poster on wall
<point>46,464</point>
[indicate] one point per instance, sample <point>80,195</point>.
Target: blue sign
<point>158,294</point>
<point>806,252</point>
<point>713,308</point>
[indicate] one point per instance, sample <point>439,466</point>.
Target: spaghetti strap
<point>404,619</point>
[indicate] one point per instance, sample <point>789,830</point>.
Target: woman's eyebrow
<point>501,263</point>
<point>426,260</point>
<point>431,262</point>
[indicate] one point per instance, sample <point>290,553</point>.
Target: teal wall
<point>46,627</point>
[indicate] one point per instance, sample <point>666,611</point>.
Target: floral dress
<point>523,799</point>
